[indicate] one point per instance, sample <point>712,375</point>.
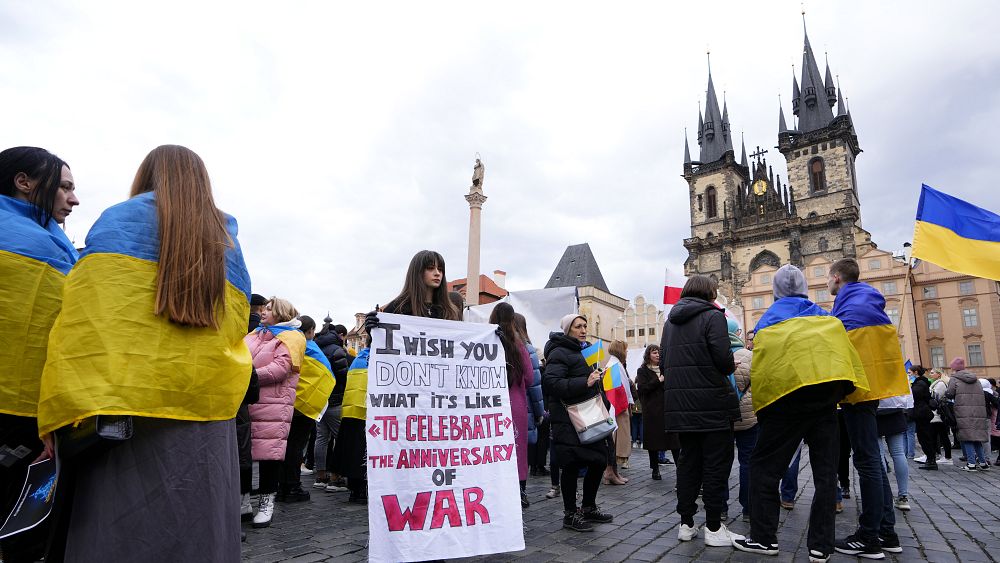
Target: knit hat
<point>567,321</point>
<point>257,300</point>
<point>958,364</point>
<point>788,281</point>
<point>732,325</point>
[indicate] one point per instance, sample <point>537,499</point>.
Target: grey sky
<point>342,138</point>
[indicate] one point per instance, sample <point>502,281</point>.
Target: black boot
<point>656,474</point>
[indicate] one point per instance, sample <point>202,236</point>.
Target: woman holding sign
<point>425,290</point>
<point>569,381</point>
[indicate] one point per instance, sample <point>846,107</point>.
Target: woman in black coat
<point>568,380</point>
<point>700,404</point>
<point>649,383</point>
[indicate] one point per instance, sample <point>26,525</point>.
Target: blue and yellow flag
<point>594,354</point>
<point>356,388</point>
<point>862,310</point>
<point>293,339</point>
<point>957,235</point>
<point>316,382</point>
<point>34,261</point>
<point>797,343</point>
<point>109,354</point>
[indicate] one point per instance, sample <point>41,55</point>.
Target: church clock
<point>760,186</point>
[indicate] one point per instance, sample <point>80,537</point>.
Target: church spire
<point>813,111</point>
<point>841,109</point>
<point>743,157</point>
<point>781,119</point>
<point>714,132</point>
<point>687,151</point>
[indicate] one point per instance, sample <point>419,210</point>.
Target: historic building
<point>746,222</point>
<point>578,268</point>
<point>640,324</point>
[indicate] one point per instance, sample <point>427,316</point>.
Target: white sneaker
<point>263,517</point>
<point>721,537</point>
<point>687,533</point>
<point>553,493</point>
<point>246,508</point>
<point>945,461</point>
<point>303,470</point>
<point>921,459</point>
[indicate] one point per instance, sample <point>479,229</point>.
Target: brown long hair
<point>619,350</point>
<point>503,315</point>
<point>410,300</point>
<point>191,277</point>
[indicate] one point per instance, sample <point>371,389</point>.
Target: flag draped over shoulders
<point>34,261</point>
<point>294,340</point>
<point>109,354</point>
<point>862,310</point>
<point>356,389</point>
<point>797,343</point>
<point>316,382</point>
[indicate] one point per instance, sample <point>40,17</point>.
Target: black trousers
<point>654,459</point>
<point>928,439</point>
<point>591,482</point>
<point>298,437</point>
<point>941,430</point>
<point>243,443</point>
<point>538,451</point>
<point>779,438</point>
<point>844,466</point>
<point>705,463</point>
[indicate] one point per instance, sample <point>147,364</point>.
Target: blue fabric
<point>536,409</point>
<point>895,446</point>
<point>21,234</point>
<point>789,308</point>
<point>974,452</point>
<point>276,330</point>
<point>132,228</point>
<point>859,305</point>
<point>313,351</point>
<point>790,481</point>
<point>361,360</point>
<point>746,441</point>
<point>961,217</point>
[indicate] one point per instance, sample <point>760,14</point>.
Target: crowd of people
<point>163,431</point>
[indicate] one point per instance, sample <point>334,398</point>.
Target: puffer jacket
<point>271,416</point>
<point>921,390</point>
<point>970,407</point>
<point>695,361</point>
<point>743,359</point>
<point>565,383</point>
<point>536,409</point>
<point>333,348</point>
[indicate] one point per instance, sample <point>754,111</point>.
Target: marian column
<point>476,199</point>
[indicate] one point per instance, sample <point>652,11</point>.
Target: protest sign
<point>442,471</point>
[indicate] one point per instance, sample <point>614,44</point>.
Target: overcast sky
<point>342,137</point>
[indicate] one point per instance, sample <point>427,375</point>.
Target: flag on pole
<point>957,235</point>
<point>614,386</point>
<point>594,354</point>
<point>672,286</point>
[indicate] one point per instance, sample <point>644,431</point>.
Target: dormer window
<point>810,95</point>
<point>709,130</point>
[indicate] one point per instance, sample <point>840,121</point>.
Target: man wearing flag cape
<point>861,308</point>
<point>803,365</point>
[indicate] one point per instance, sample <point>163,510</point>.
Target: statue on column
<point>477,175</point>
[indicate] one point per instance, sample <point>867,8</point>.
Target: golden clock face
<point>760,186</point>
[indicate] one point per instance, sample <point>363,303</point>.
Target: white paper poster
<point>442,468</point>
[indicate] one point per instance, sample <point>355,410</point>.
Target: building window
<point>966,287</point>
<point>937,356</point>
<point>822,295</point>
<point>933,320</point>
<point>893,315</point>
<point>889,288</point>
<point>712,210</point>
<point>652,331</point>
<point>817,175</point>
<point>630,333</point>
<point>758,302</point>
<point>642,332</point>
<point>970,317</point>
<point>824,244</point>
<point>765,279</point>
<point>819,271</point>
<point>975,354</point>
<point>930,292</point>
<point>875,264</point>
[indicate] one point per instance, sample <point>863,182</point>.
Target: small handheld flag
<point>594,354</point>
<point>614,387</point>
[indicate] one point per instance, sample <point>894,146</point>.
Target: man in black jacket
<point>923,413</point>
<point>700,405</point>
<point>331,343</point>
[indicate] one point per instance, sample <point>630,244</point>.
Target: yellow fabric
<point>878,347</point>
<point>942,246</point>
<point>314,388</point>
<point>30,298</point>
<point>295,341</point>
<point>108,353</point>
<point>802,351</point>
<point>355,394</point>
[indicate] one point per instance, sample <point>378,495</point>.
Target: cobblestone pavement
<point>955,516</point>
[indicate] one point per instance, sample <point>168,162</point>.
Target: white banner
<point>542,309</point>
<point>442,471</point>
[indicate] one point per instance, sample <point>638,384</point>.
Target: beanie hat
<point>567,321</point>
<point>732,325</point>
<point>257,300</point>
<point>788,281</point>
<point>958,364</point>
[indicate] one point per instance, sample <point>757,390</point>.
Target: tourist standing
<point>700,405</point>
<point>649,384</point>
<point>892,421</point>
<point>971,413</point>
<point>923,414</point>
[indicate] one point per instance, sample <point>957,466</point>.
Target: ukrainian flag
<point>356,389</point>
<point>594,354</point>
<point>797,343</point>
<point>957,235</point>
<point>293,339</point>
<point>316,382</point>
<point>862,310</point>
<point>34,261</point>
<point>109,354</point>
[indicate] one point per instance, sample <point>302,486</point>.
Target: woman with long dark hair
<point>519,377</point>
<point>36,195</point>
<point>425,290</point>
<point>160,301</point>
<point>655,438</point>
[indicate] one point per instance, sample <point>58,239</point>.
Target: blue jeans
<point>896,446</point>
<point>636,424</point>
<point>877,518</point>
<point>911,439</point>
<point>790,482</point>
<point>974,452</point>
<point>746,440</point>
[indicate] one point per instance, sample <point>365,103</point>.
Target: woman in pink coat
<point>520,375</point>
<point>277,348</point>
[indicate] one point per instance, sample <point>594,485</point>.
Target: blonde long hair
<point>191,277</point>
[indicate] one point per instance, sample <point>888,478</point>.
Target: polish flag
<point>672,286</point>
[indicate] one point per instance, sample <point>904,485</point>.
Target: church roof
<point>813,104</point>
<point>578,268</point>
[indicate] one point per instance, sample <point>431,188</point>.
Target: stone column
<point>476,199</point>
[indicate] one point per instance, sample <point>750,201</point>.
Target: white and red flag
<point>672,286</point>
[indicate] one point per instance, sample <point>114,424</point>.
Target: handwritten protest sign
<point>442,472</point>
